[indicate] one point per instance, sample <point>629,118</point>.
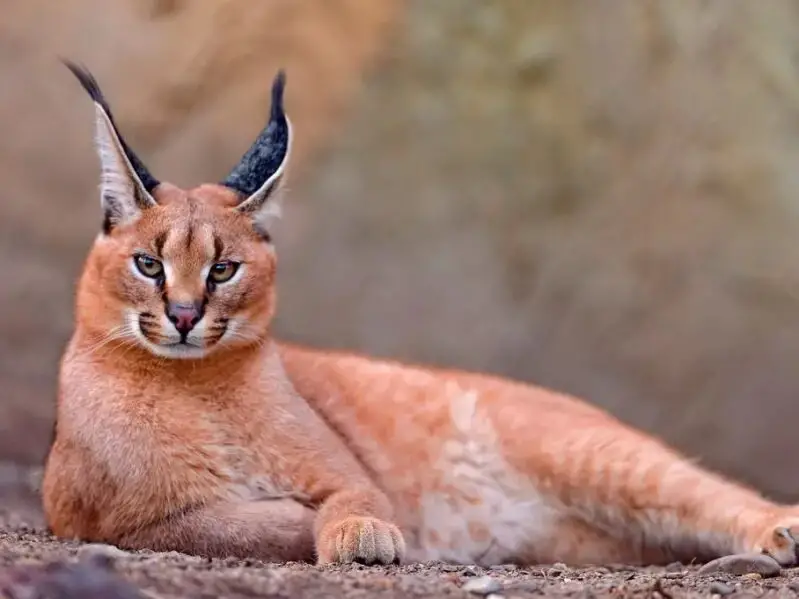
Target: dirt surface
<point>23,542</point>
<point>174,575</point>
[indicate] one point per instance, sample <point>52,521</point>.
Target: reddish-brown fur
<point>261,448</point>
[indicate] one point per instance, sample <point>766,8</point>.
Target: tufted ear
<point>125,183</point>
<point>259,174</point>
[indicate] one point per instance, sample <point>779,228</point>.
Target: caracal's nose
<point>183,316</point>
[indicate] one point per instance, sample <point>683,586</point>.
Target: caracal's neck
<point>127,360</point>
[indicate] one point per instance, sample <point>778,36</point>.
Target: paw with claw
<point>363,540</point>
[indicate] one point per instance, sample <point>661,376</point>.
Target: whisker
<point>114,334</point>
<point>242,335</point>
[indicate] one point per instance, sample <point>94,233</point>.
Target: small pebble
<point>504,568</point>
<point>100,554</point>
<point>450,568</point>
<point>742,564</point>
<point>483,585</point>
<point>65,581</point>
<point>675,567</point>
<point>719,588</point>
<point>753,576</point>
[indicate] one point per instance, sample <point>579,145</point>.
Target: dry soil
<point>25,546</point>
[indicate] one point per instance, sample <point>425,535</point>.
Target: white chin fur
<point>175,352</point>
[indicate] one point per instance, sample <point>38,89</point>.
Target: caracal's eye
<point>221,272</point>
<point>148,266</point>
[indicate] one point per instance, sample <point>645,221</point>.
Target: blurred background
<point>598,196</point>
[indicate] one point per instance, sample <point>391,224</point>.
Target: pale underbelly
<point>488,527</point>
<point>465,502</point>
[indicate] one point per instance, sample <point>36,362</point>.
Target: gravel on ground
<point>30,559</point>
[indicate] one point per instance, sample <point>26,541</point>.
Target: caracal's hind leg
<point>270,530</point>
<point>634,488</point>
<point>575,541</point>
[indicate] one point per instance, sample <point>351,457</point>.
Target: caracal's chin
<point>176,351</point>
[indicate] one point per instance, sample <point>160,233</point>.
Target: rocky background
<point>599,196</point>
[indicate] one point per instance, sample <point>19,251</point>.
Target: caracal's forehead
<point>195,227</point>
<point>193,241</point>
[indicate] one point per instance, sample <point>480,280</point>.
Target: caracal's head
<point>182,273</point>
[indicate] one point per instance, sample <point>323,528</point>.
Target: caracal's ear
<point>125,183</point>
<point>259,174</point>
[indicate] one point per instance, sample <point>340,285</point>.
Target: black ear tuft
<point>278,86</point>
<point>259,171</point>
<point>88,82</point>
<point>91,86</point>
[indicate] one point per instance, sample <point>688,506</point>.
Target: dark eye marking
<point>158,244</point>
<point>189,236</point>
<point>219,247</point>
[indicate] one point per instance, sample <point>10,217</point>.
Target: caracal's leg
<point>630,487</point>
<point>270,530</point>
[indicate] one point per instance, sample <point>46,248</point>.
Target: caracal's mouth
<point>148,333</point>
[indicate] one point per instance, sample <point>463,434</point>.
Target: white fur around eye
<point>236,276</point>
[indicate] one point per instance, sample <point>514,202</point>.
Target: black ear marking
<point>89,83</point>
<point>260,170</point>
<point>125,183</point>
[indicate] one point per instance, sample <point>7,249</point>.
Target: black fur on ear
<point>91,86</point>
<point>259,172</point>
<point>126,184</point>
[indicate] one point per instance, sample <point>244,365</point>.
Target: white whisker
<point>118,333</point>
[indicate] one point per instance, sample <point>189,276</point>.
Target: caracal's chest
<point>175,438</point>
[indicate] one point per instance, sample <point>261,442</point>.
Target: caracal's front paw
<point>362,540</point>
<point>781,542</point>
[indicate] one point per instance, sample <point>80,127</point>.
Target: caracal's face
<point>190,276</point>
<point>183,273</point>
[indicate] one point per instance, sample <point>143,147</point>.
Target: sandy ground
<point>25,548</point>
<point>174,575</point>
